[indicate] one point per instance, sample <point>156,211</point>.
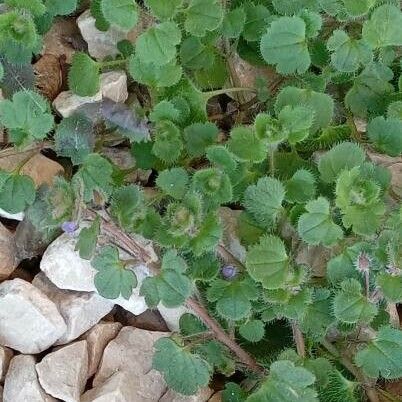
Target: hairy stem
<point>223,91</point>
<point>299,340</point>
<point>112,63</point>
<point>138,251</point>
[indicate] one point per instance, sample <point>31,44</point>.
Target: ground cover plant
<point>294,164</point>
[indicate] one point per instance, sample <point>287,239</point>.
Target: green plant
<point>298,168</point>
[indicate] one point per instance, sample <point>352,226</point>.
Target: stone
<point>29,321</point>
<point>21,384</point>
<point>131,351</point>
<point>1,393</point>
<point>80,310</point>
<point>5,356</point>
<point>67,103</point>
<point>315,257</point>
<point>8,257</point>
<point>202,396</point>
<point>151,320</point>
<point>97,338</point>
<point>122,387</point>
<point>104,44</point>
<point>64,267</point>
<point>172,316</point>
<point>15,217</point>
<point>63,373</point>
<point>114,86</point>
<point>216,397</point>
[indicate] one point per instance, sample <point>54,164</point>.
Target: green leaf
<point>386,134</point>
<point>198,137</point>
<point>96,11</point>
<point>285,45</point>
<point>35,7</point>
<point>383,355</point>
<point>83,77</point>
<point>173,182</point>
<point>286,383</point>
<point>384,28</point>
<point>357,8</point>
<point>316,226</point>
<point>257,17</point>
<point>351,306</point>
<point>191,325</point>
<point>164,110</point>
<point>88,239</point>
<point>57,7</point>
<point>233,299</point>
<point>268,263</point>
<point>233,23</point>
<point>113,278</point>
<point>27,117</point>
<point>217,356</point>
<point>1,71</point>
<point>96,175</point>
<point>345,155</point>
<point>233,393</point>
<point>301,187</point>
<point>153,75</point>
<point>74,138</point>
<point>127,205</point>
<point>348,54</point>
<point>170,286</point>
<point>183,371</point>
<point>122,13</point>
<point>162,9</point>
<point>321,104</point>
<point>195,55</point>
<point>369,90</point>
<point>313,23</point>
<point>208,236</point>
<point>203,16</point>
<point>17,192</point>
<point>220,156</point>
<point>168,142</point>
<point>391,286</point>
<point>297,122</point>
<point>157,45</point>
<point>142,152</point>
<point>204,268</point>
<point>252,330</point>
<point>264,200</point>
<point>246,146</point>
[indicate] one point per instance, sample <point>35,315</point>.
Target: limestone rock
<point>80,310</point>
<point>22,383</point>
<point>122,387</point>
<point>131,351</point>
<point>114,86</point>
<point>8,258</point>
<point>103,44</point>
<point>67,103</point>
<point>172,396</point>
<point>5,356</point>
<point>29,321</point>
<point>97,338</point>
<point>64,267</point>
<point>63,373</point>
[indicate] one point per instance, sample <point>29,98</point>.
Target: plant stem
<point>393,315</point>
<point>299,340</point>
<point>138,251</point>
<point>223,91</point>
<point>367,384</point>
<point>272,150</point>
<point>112,63</point>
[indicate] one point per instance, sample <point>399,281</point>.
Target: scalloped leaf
<point>84,75</point>
<point>252,330</point>
<point>246,146</point>
<point>300,188</point>
<point>163,9</point>
<point>17,192</point>
<point>173,182</point>
<point>203,16</point>
<point>168,143</point>
<point>122,13</point>
<point>386,134</point>
<point>233,23</point>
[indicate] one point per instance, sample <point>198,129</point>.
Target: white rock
<point>122,387</point>
<point>97,338</point>
<point>63,373</point>
<point>22,383</point>
<point>80,310</point>
<point>15,217</point>
<point>202,396</point>
<point>64,267</point>
<point>114,86</point>
<point>8,253</point>
<point>29,321</point>
<point>5,356</point>
<point>131,352</point>
<point>67,103</point>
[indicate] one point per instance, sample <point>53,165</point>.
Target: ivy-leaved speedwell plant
<point>299,174</point>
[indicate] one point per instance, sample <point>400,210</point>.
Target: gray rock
<point>67,103</point>
<point>97,338</point>
<point>29,321</point>
<point>21,384</point>
<point>8,258</point>
<point>63,373</point>
<point>80,310</point>
<point>130,352</point>
<point>114,86</point>
<point>5,356</point>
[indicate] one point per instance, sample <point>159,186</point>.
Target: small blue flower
<point>229,271</point>
<point>69,227</point>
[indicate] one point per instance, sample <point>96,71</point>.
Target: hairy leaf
<point>386,134</point>
<point>203,16</point>
<point>162,9</point>
<point>17,192</point>
<point>246,146</point>
<point>88,239</point>
<point>83,77</point>
<point>173,182</point>
<point>252,330</point>
<point>122,13</point>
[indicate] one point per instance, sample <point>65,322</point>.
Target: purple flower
<point>228,271</point>
<point>69,227</point>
